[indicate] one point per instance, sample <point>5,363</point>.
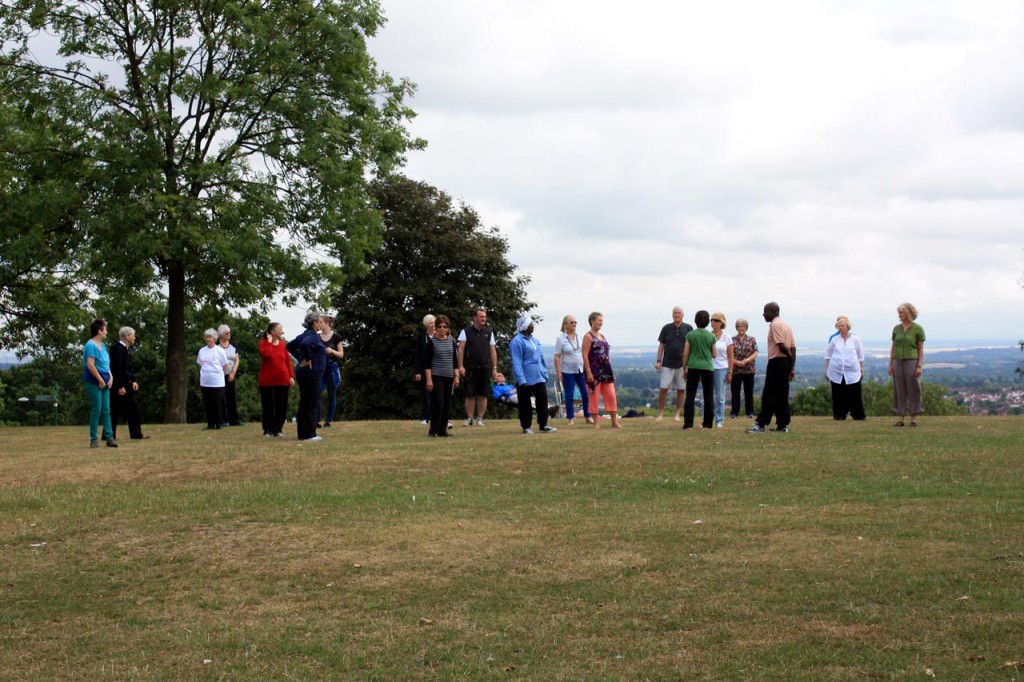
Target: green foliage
<point>817,401</point>
<point>435,257</point>
<point>232,142</point>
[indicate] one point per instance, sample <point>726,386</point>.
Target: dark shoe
<point>756,428</point>
<point>238,423</point>
<point>781,429</point>
<point>111,443</point>
<point>94,444</point>
<point>899,423</point>
<point>327,425</point>
<point>224,425</point>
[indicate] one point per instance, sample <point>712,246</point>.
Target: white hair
<point>223,329</point>
<point>125,332</point>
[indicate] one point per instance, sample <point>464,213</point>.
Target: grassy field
<point>839,551</point>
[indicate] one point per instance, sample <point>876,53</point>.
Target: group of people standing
<point>310,360</point>
<point>687,358</point>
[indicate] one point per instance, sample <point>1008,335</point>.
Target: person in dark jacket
<point>122,393</point>
<point>311,353</point>
<point>419,353</point>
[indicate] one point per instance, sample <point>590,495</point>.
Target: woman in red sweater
<point>277,375</point>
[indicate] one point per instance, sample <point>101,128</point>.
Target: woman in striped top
<point>440,365</point>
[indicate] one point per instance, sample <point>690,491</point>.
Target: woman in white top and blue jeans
<point>569,367</point>
<point>723,362</point>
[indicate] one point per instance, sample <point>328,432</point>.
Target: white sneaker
<point>719,425</point>
<point>314,438</point>
<point>527,432</point>
<point>548,429</point>
<point>424,422</point>
<point>469,421</point>
<point>479,421</point>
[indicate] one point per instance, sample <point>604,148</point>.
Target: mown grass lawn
<point>838,551</point>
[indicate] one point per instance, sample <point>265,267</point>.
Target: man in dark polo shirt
<point>670,360</point>
<point>478,363</point>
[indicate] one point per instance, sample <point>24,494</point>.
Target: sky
<point>835,157</point>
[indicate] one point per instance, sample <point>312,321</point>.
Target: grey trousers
<point>906,388</point>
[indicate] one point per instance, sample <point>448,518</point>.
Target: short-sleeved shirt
<point>211,363</point>
<point>721,359</point>
<point>102,361</point>
<point>741,350</point>
<point>701,342</point>
<point>478,347</point>
<point>779,333</point>
<point>674,339</point>
<point>570,354</point>
<point>906,341</point>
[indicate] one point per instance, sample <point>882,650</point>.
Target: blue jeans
<point>720,395</point>
<point>570,382</point>
<point>99,410</point>
<point>331,381</point>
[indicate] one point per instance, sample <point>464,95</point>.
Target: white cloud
<point>835,157</point>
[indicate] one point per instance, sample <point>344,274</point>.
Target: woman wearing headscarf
<point>906,358</point>
<point>844,368</point>
<point>311,353</point>
<point>569,368</point>
<point>530,375</point>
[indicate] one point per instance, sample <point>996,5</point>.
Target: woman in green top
<point>698,365</point>
<point>905,360</point>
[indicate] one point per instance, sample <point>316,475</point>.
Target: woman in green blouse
<point>905,360</point>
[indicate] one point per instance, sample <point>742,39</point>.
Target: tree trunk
<point>176,376</point>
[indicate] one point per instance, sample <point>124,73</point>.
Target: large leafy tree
<point>227,143</point>
<point>435,257</point>
<point>44,191</point>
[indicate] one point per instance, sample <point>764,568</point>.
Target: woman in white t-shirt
<point>569,369</point>
<point>722,362</point>
<point>213,366</point>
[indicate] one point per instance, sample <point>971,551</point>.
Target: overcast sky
<point>836,157</point>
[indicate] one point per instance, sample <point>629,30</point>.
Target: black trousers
<point>127,406</point>
<point>775,396</point>
<point>706,378</point>
<point>744,383</point>
<point>213,400</point>
<point>274,400</point>
<point>309,398</point>
<point>440,404</point>
<point>425,410</point>
<point>847,399</point>
<point>539,393</point>
<point>230,409</point>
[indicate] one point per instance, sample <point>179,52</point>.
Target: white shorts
<point>673,378</point>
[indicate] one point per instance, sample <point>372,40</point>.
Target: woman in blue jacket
<point>530,374</point>
<point>311,353</point>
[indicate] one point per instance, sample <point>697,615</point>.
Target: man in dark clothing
<point>122,392</point>
<point>478,363</point>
